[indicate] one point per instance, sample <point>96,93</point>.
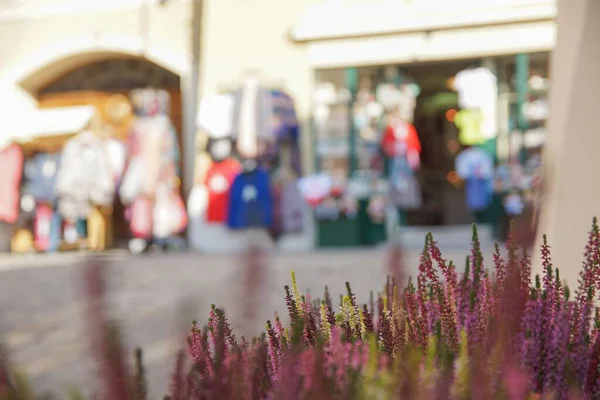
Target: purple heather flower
<point>558,353</point>
<point>195,344</point>
<point>532,341</point>
<point>581,350</point>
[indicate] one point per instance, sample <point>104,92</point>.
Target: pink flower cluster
<point>489,332</point>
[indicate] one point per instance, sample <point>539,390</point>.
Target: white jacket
<point>84,177</point>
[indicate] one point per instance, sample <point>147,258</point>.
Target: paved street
<point>41,304</point>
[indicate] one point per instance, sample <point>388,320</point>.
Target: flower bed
<point>485,333</point>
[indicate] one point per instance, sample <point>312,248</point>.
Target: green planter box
<point>371,233</point>
<point>343,232</point>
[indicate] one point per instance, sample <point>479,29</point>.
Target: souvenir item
<point>478,90</point>
<point>476,168</point>
<point>377,209</point>
<point>42,227</point>
<point>22,241</point>
<point>169,215</point>
<point>478,193</point>
<point>251,116</point>
<point>338,185</point>
<point>328,209</point>
<point>131,186</point>
<point>85,177</point>
<point>97,226</point>
<point>117,157</point>
<point>292,208</point>
<point>197,202</point>
<point>405,190</point>
<point>41,174</point>
<point>118,109</point>
<point>513,204</point>
<point>70,234</point>
<point>470,125</point>
<point>141,218</point>
<point>315,188</point>
<point>400,137</point>
<point>474,162</point>
<point>349,206</point>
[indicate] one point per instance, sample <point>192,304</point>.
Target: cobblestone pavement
<point>41,304</point>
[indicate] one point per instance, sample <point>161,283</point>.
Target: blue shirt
<point>250,202</point>
<point>479,193</point>
<point>40,177</point>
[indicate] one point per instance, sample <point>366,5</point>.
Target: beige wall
<point>37,50</point>
<point>253,34</point>
<point>571,158</point>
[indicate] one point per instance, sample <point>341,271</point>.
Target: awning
<point>341,34</point>
<point>336,19</point>
<point>48,129</point>
<point>55,122</point>
<point>433,46</point>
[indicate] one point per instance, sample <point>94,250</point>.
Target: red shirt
<point>390,140</point>
<point>11,160</point>
<point>218,182</point>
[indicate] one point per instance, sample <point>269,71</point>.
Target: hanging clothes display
<point>85,177</point>
<point>42,227</point>
<point>401,145</point>
<point>405,191</point>
<point>291,208</point>
<point>476,168</point>
<point>218,181</point>
<point>400,138</point>
<point>250,202</point>
<point>41,172</point>
<point>478,90</point>
<point>117,158</point>
<point>315,188</point>
<point>11,159</point>
<point>251,117</point>
<point>151,183</point>
<point>41,177</point>
<point>398,93</point>
<point>288,206</point>
<point>85,184</point>
<point>470,125</point>
<point>169,213</point>
<point>285,129</point>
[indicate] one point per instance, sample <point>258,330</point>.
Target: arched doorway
<point>97,82</point>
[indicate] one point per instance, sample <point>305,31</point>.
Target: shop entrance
<point>97,84</point>
<point>443,194</point>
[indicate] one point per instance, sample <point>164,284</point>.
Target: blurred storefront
<point>93,52</point>
<point>355,48</point>
<point>67,56</point>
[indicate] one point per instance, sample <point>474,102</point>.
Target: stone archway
<point>92,81</point>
